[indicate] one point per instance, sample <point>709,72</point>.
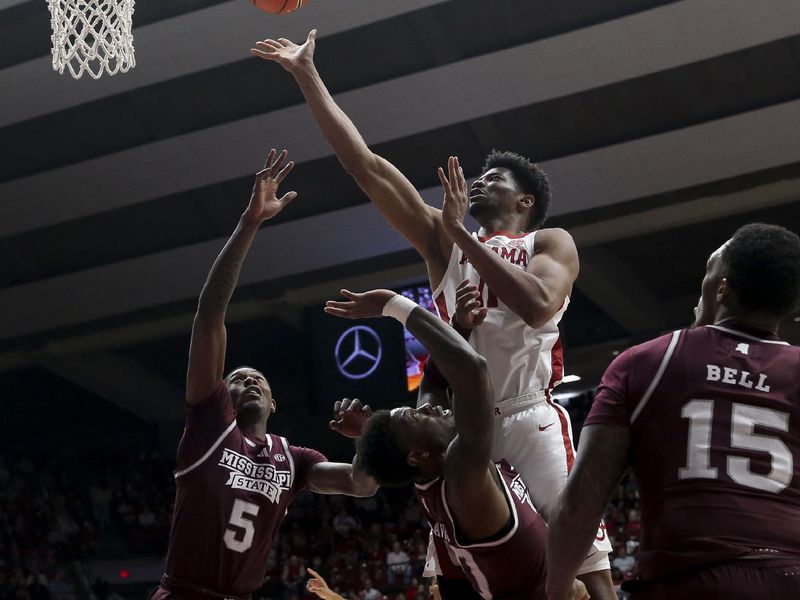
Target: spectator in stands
<point>343,523</point>
<point>398,565</point>
<point>370,593</point>
<point>622,560</point>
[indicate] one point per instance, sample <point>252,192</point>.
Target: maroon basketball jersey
<point>232,494</point>
<point>714,414</point>
<point>511,567</point>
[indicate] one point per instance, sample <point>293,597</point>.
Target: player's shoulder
<point>303,454</point>
<point>656,348</point>
<point>554,240</point>
<point>553,235</point>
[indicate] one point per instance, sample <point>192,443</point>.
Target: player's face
<point>495,193</point>
<point>250,391</point>
<point>426,429</point>
<point>706,310</point>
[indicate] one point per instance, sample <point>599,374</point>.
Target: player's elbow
<point>365,489</point>
<point>540,311</point>
<point>361,165</point>
<point>476,368</point>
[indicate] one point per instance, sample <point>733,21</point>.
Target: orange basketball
<point>279,7</point>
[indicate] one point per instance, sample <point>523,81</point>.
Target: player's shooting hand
<point>360,306</point>
<point>292,57</point>
<point>470,311</point>
<point>578,591</point>
<point>456,194</point>
<point>349,417</point>
<point>263,202</point>
<point>317,585</point>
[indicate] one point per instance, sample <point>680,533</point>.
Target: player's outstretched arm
<point>601,462</point>
<point>535,294</point>
<point>207,349</point>
<point>388,189</point>
<point>480,506</point>
<point>349,417</point>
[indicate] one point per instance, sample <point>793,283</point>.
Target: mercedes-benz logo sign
<point>358,352</point>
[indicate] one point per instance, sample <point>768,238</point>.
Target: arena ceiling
<point>663,125</point>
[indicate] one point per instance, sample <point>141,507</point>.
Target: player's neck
<point>254,430</point>
<point>757,320</point>
<point>512,224</point>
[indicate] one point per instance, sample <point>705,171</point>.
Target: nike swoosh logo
<point>546,426</point>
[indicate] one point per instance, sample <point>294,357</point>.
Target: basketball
<point>279,7</point>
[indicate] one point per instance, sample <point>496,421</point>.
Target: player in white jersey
<point>524,299</point>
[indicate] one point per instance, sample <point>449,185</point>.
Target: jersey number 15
<point>744,419</point>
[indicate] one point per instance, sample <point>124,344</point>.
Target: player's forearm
<point>363,484</point>
<point>601,463</point>
<point>464,369</point>
<point>224,274</point>
<point>522,292</point>
<point>350,148</point>
<point>569,538</point>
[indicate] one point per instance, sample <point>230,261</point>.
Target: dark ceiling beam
<point>618,291</point>
<point>121,380</point>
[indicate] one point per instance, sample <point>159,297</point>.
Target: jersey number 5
<point>744,419</point>
<point>239,518</point>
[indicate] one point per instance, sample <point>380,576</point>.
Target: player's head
<point>405,444</point>
<point>251,395</point>
<point>510,183</point>
<point>755,273</point>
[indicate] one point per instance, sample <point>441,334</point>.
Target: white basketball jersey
<point>521,359</point>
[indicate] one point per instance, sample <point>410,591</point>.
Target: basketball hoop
<point>92,35</point>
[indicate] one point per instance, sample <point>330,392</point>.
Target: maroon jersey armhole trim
<point>657,378</point>
<point>512,507</point>
<point>208,453</point>
<point>290,458</point>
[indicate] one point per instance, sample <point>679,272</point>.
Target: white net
<point>92,36</point>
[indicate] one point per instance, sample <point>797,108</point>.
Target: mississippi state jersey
<point>508,567</point>
<point>714,414</point>
<point>232,494</point>
<point>520,358</point>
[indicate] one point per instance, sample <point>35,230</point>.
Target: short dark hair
<point>762,264</point>
<point>529,176</point>
<point>379,454</point>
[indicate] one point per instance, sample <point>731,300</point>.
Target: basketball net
<point>92,36</point>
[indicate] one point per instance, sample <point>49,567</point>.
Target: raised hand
<point>359,306</point>
<point>290,56</point>
<point>470,311</point>
<point>349,417</point>
<point>263,202</point>
<point>317,585</point>
<point>456,194</point>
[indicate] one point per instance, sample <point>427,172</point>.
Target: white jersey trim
<point>661,368</point>
<point>290,458</point>
<point>427,484</point>
<point>748,336</point>
<point>208,453</point>
<point>505,538</point>
<point>480,579</point>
